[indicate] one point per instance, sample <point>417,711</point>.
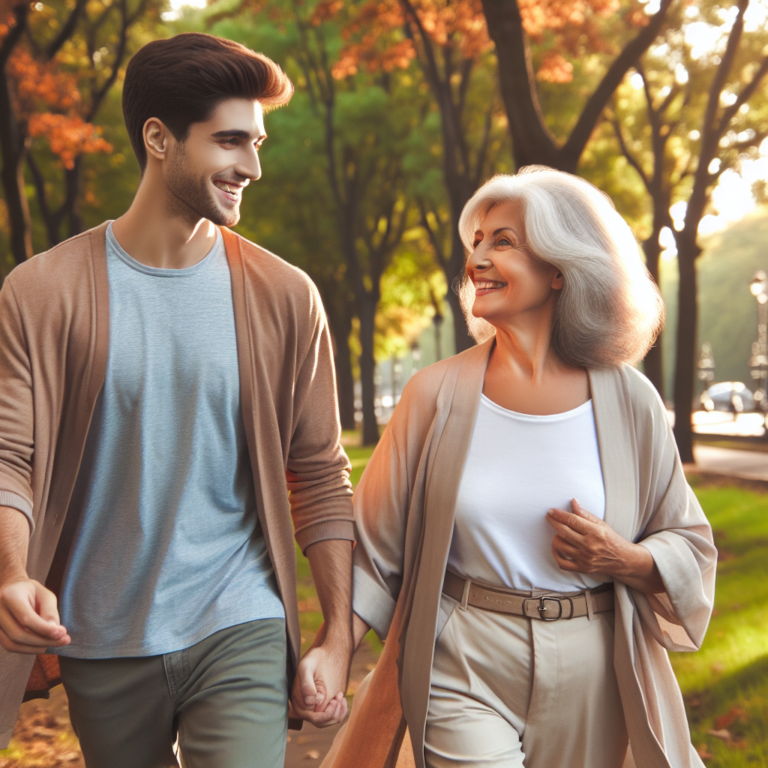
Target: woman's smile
<point>484,287</point>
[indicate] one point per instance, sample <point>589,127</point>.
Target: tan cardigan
<point>404,507</point>
<point>54,340</point>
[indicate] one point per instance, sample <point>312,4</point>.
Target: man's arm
<point>321,679</point>
<point>29,618</point>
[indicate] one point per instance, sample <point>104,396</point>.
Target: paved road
<point>752,465</point>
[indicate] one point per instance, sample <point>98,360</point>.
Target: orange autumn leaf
<point>68,136</point>
<point>555,68</point>
<point>374,31</point>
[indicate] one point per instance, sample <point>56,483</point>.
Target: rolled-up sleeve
<point>317,467</point>
<point>16,409</point>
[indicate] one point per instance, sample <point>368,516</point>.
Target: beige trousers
<point>511,691</point>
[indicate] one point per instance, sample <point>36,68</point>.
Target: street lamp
<point>758,362</point>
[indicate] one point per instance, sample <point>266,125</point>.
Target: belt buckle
<point>542,608</point>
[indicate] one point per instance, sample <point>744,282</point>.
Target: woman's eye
<point>503,241</point>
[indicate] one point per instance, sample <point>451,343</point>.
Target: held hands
<point>29,618</point>
<point>586,544</point>
<point>321,682</point>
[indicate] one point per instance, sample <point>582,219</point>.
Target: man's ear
<point>156,138</point>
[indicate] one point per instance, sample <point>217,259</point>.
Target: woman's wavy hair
<point>609,310</point>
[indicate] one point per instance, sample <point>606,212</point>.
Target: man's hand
<point>586,544</point>
<point>29,618</point>
<point>321,682</point>
<point>321,679</point>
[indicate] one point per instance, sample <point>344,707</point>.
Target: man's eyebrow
<point>237,134</point>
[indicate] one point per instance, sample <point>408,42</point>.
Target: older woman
<point>525,519</point>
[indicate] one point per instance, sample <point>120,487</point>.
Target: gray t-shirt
<point>169,549</point>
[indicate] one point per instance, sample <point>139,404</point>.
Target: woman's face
<point>510,282</point>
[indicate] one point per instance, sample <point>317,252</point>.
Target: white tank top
<point>519,466</point>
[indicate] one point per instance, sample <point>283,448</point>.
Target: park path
<point>744,464</point>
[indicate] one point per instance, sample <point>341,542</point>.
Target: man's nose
<point>249,165</point>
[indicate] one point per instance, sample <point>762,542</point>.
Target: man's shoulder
<point>270,275</point>
<point>257,257</point>
<point>59,266</point>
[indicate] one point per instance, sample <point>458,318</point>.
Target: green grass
<point>725,684</point>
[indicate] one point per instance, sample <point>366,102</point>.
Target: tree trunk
<point>13,148</point>
<point>367,312</point>
<point>72,190</point>
<point>653,362</point>
<point>12,175</point>
<point>345,382</point>
<point>461,337</point>
<point>687,251</point>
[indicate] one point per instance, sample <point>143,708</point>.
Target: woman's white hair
<point>609,310</point>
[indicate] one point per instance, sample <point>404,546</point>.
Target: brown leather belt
<point>547,606</point>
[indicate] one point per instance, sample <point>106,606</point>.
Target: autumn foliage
<point>381,34</point>
<point>46,100</point>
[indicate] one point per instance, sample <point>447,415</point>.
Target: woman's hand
<point>584,543</point>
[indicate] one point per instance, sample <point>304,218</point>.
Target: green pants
<point>225,698</point>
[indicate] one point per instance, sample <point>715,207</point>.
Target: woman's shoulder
<point>425,385</point>
<point>642,392</point>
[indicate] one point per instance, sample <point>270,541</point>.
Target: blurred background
<point>402,109</point>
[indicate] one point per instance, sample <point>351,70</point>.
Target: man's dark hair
<point>182,79</point>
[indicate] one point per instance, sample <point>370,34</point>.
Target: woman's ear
<point>558,281</point>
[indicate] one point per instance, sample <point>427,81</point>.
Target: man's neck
<point>157,237</point>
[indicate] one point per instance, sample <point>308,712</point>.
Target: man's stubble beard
<point>190,197</point>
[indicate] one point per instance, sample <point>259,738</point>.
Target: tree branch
<point>66,31</point>
<point>11,40</point>
<point>597,102</point>
<point>631,159</point>
<point>744,95</point>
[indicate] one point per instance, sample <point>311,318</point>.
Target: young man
<point>163,384</point>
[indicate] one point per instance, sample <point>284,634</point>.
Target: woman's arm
<point>586,544</point>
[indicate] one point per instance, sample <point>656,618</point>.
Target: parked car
<point>730,396</point>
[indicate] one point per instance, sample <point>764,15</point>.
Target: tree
<point>97,53</point>
<point>449,42</point>
<point>18,67</point>
<point>661,173</point>
<point>57,62</point>
<point>562,28</point>
<point>702,119</point>
<point>366,122</point>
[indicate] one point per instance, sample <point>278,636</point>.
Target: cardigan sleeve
<point>317,467</point>
<point>16,409</point>
<point>381,505</point>
<point>677,534</point>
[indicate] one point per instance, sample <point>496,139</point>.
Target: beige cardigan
<point>54,341</point>
<point>404,508</point>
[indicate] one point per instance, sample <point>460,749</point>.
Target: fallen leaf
<point>736,713</point>
<point>722,733</point>
<point>703,752</point>
<point>313,754</point>
<point>301,740</point>
<point>718,667</point>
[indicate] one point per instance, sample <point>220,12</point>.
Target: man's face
<point>207,173</point>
